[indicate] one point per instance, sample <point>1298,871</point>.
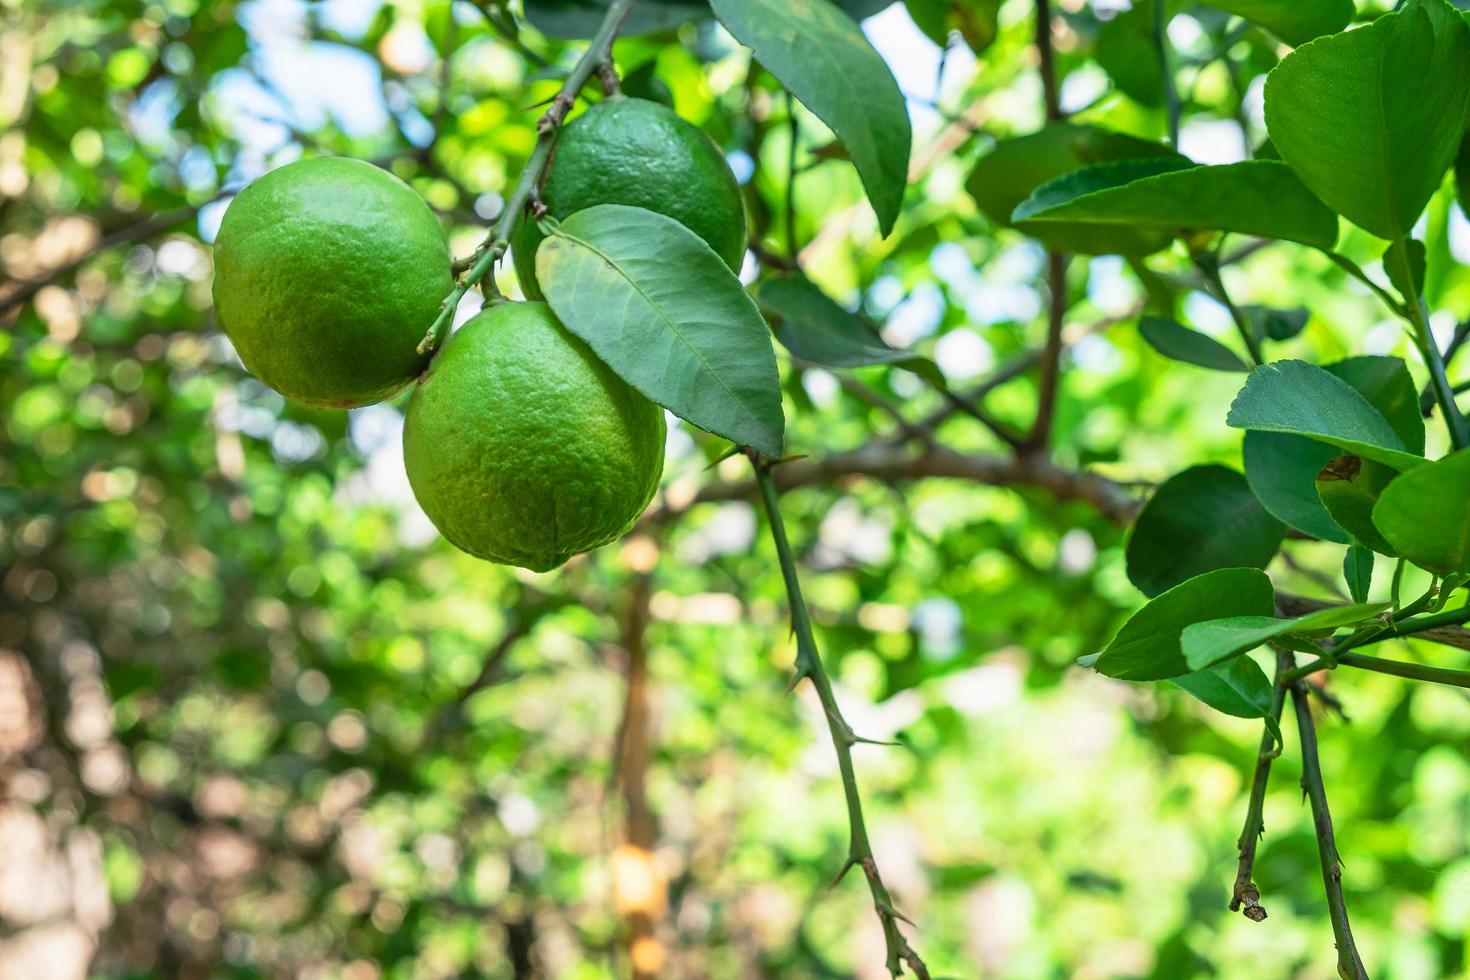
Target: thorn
<point>842,873</point>
<point>858,739</point>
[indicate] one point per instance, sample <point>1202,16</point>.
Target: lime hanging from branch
<point>327,272</point>
<point>641,154</point>
<point>523,448</point>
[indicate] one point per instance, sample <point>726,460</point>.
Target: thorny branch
<point>1349,964</point>
<point>598,54</point>
<point>809,666</point>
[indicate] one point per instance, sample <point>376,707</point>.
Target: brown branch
<point>146,228</point>
<point>897,464</point>
<point>1051,354</point>
<point>638,887</point>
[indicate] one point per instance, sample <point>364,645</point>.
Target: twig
<point>793,134</point>
<point>1246,897</point>
<point>1418,672</point>
<point>1056,262</point>
<point>1166,70</point>
<point>1051,355</point>
<point>1349,964</point>
<point>809,666</point>
<point>1046,62</point>
<point>598,52</point>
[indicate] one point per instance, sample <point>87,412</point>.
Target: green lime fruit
<point>641,154</point>
<point>327,274</point>
<point>523,448</point>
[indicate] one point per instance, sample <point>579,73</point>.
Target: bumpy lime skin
<point>327,274</point>
<point>525,449</point>
<point>638,153</point>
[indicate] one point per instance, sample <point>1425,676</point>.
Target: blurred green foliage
<point>292,732</point>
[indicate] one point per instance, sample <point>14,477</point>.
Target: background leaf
<point>1256,197</point>
<point>1126,51</point>
<point>1294,21</point>
<point>1303,399</point>
<point>821,57</point>
<point>1008,174</point>
<point>578,19</point>
<point>665,312</point>
<point>1148,646</point>
<point>811,325</point>
<point>1176,341</point>
<point>1425,514</point>
<point>1370,119</point>
<point>1199,520</point>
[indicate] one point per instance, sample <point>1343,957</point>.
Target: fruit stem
<point>809,665</point>
<point>596,59</point>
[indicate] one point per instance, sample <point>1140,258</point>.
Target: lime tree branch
<point>1246,897</point>
<point>1349,964</point>
<point>482,263</point>
<point>809,666</point>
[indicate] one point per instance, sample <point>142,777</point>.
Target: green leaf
<point>1199,520</point>
<point>812,326</point>
<point>1125,49</point>
<point>1276,324</point>
<point>821,56</point>
<point>665,312</point>
<point>1303,399</point>
<point>1256,197</point>
<point>578,19</point>
<point>1357,571</point>
<point>1282,469</point>
<point>1176,341</point>
<point>1370,119</point>
<point>1349,487</point>
<point>1388,386</point>
<point>1239,688</point>
<point>1425,514</point>
<point>1393,266</point>
<point>977,21</point>
<point>1008,174</point>
<point>1206,644</point>
<point>1294,21</point>
<point>1147,648</point>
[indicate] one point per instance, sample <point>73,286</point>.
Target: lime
<point>327,274</point>
<point>638,153</point>
<point>523,447</point>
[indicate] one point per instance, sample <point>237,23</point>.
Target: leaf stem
<point>1349,963</point>
<point>1245,892</point>
<point>1356,271</point>
<point>1209,266</point>
<point>809,665</point>
<point>598,53</point>
<point>1400,629</point>
<point>1418,312</point>
<point>1166,71</point>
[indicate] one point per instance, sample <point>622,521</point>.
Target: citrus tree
<point>627,274</point>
